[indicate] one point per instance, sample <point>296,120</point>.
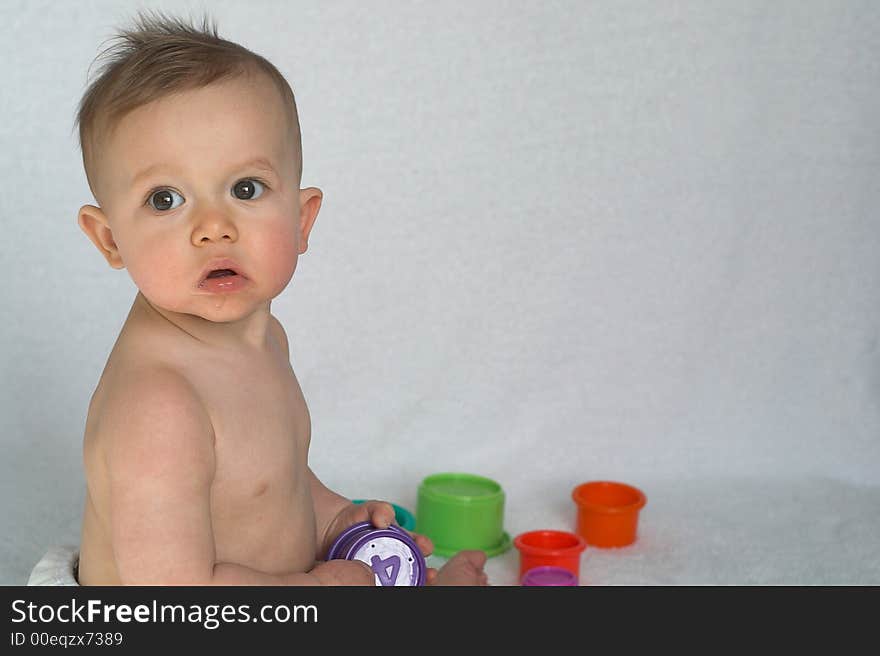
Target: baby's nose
<point>213,227</point>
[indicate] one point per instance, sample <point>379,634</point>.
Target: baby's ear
<point>93,222</point>
<point>309,204</point>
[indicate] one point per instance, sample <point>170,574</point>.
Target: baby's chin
<point>216,308</point>
<point>227,309</point>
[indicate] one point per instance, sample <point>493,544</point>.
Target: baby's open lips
<point>220,273</point>
<point>221,268</point>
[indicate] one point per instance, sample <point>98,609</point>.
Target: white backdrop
<point>560,241</point>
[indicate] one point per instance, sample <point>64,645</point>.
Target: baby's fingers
<point>381,513</point>
<point>423,542</point>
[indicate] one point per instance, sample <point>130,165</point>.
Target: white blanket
<point>58,567</point>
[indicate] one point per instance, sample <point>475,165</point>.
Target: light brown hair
<point>160,56</point>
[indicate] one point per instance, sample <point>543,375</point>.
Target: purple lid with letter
<point>390,552</point>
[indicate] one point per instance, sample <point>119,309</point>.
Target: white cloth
<point>58,567</point>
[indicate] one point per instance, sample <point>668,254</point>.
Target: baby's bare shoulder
<point>151,390</point>
<point>149,408</point>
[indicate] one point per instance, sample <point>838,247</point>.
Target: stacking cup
<point>391,553</point>
<point>547,575</point>
<point>462,511</point>
<point>608,512</point>
<point>547,548</point>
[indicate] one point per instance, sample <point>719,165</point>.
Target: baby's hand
<point>344,572</point>
<point>381,515</point>
<point>464,568</point>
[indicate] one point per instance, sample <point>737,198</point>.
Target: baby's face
<point>204,180</point>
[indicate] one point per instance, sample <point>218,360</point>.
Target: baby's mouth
<point>224,274</point>
<point>220,273</point>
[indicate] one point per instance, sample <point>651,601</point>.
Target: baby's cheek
<point>157,274</point>
<point>279,257</point>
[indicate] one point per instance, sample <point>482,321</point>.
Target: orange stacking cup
<point>608,512</point>
<point>549,548</point>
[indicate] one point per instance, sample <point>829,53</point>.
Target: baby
<point>197,438</point>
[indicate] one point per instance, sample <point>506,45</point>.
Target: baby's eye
<point>163,200</point>
<point>248,189</point>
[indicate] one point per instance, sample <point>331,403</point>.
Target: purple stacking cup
<point>547,575</point>
<point>390,552</point>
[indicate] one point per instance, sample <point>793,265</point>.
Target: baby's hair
<point>160,56</point>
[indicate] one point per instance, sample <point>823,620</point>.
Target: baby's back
<point>194,455</point>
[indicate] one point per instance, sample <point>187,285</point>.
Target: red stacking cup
<point>549,548</point>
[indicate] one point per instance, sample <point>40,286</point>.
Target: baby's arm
<point>160,461</point>
<point>331,511</point>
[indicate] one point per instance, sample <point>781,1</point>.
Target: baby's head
<point>191,146</point>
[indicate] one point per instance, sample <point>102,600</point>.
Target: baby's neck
<point>250,331</point>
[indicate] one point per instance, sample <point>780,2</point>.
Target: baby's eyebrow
<point>261,163</point>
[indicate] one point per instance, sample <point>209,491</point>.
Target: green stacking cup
<point>462,511</point>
